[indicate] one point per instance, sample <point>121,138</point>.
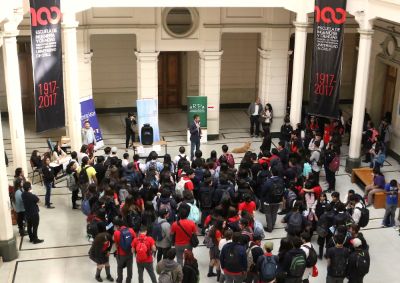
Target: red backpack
<point>334,164</point>
<point>142,250</point>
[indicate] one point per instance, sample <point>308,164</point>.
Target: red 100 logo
<point>44,15</point>
<point>329,15</point>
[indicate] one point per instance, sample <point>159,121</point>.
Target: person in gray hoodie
<point>168,269</point>
<point>165,244</point>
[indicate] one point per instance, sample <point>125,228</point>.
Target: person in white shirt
<point>357,206</point>
<point>317,137</point>
<point>306,247</point>
<point>179,156</point>
<point>125,160</point>
<point>314,159</point>
<point>88,136</point>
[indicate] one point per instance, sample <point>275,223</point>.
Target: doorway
<point>26,76</point>
<point>169,79</point>
<point>389,91</point>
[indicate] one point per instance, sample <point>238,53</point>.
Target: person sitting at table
<point>58,153</point>
<point>36,159</point>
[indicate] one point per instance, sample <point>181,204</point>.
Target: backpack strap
<point>179,224</point>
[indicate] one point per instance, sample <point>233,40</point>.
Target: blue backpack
<point>125,240</point>
<point>85,207</point>
<point>194,214</point>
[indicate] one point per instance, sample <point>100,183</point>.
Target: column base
<point>213,137</point>
<point>352,163</point>
<point>8,249</point>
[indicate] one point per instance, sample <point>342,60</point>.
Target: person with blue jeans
<point>48,180</point>
<point>392,195</point>
<point>195,135</point>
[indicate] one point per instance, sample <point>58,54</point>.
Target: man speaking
<point>195,135</point>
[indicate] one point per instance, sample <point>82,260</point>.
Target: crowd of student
<point>154,211</point>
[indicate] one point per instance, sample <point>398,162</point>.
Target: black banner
<point>47,64</point>
<point>329,18</point>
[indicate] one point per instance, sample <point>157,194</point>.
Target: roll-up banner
<point>47,64</point>
<point>147,113</point>
<point>88,113</point>
<point>329,19</point>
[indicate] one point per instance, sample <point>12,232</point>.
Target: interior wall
<point>239,75</point>
<point>114,75</point>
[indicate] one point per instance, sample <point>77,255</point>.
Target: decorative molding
<point>195,22</point>
<point>247,25</point>
<point>211,55</point>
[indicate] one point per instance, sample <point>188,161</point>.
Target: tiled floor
<point>63,255</point>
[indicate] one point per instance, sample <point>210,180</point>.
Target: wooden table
<point>137,145</point>
<point>362,175</point>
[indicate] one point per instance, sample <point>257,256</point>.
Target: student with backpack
<point>190,268</point>
<point>272,192</point>
<point>183,232</point>
<point>325,221</point>
<point>144,247</point>
<point>294,262</point>
<point>359,262</point>
<point>311,255</point>
<point>73,183</point>
<point>267,264</point>
<point>100,253</point>
<point>168,269</point>
<point>233,260</point>
<point>123,239</point>
<point>253,252</point>
<point>229,157</point>
<point>296,222</point>
<point>337,260</point>
<point>86,175</point>
<point>161,233</point>
<point>206,193</point>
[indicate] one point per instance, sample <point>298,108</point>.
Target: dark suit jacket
<point>194,133</point>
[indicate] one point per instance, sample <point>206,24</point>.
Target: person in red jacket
<point>182,230</point>
<point>123,239</point>
<point>144,246</point>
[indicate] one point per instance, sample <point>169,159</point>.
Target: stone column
<point>14,100</point>
<point>360,97</point>
<point>71,82</point>
<point>8,244</point>
<point>147,74</point>
<point>263,72</point>
<point>298,72</point>
<point>210,86</point>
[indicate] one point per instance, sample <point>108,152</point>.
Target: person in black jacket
<point>206,194</point>
<point>233,260</point>
<point>190,268</point>
<point>359,262</point>
<point>272,195</point>
<point>286,131</point>
<point>195,135</point>
<point>48,180</point>
<point>256,252</point>
<point>100,254</point>
<point>31,212</point>
<point>292,256</point>
<point>130,123</point>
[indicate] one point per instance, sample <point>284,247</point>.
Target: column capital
<point>9,34</point>
<point>265,53</point>
<point>69,24</point>
<point>211,55</point>
<point>365,33</point>
<point>146,56</point>
<point>301,26</point>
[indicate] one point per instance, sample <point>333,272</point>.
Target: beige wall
<point>3,99</point>
<point>114,76</point>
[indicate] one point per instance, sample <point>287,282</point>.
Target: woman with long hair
<point>100,254</point>
<point>190,268</point>
<point>215,233</point>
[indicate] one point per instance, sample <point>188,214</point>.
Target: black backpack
<point>297,266</point>
<point>295,223</point>
<point>206,198</point>
<point>312,258</point>
<point>83,176</point>
<point>92,228</point>
<point>276,191</point>
<point>339,266</point>
<point>231,258</point>
<point>182,161</point>
<point>364,219</point>
<point>362,262</point>
<point>156,232</point>
<point>134,220</point>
